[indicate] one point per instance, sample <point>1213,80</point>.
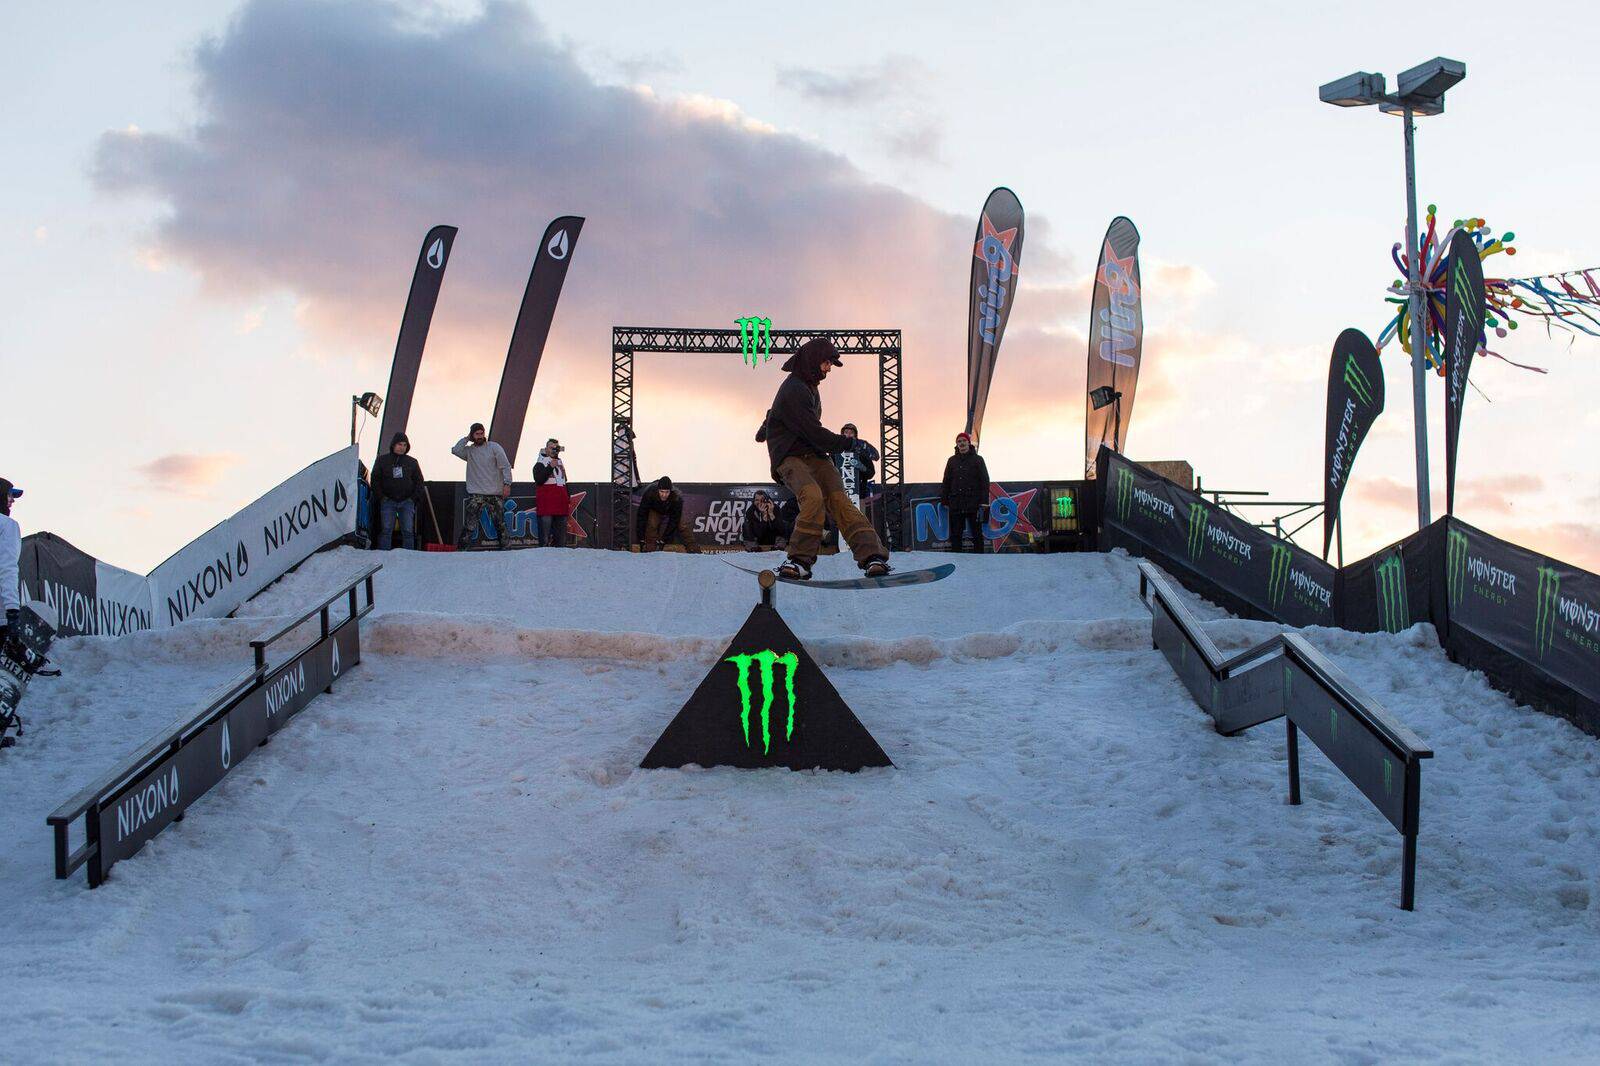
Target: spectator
<point>855,463</point>
<point>965,493</point>
<point>362,537</point>
<point>488,479</point>
<point>397,482</point>
<point>10,558</point>
<point>660,519</point>
<point>551,500</point>
<point>763,525</point>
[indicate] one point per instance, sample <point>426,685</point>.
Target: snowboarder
<point>799,449</point>
<point>488,479</point>
<point>660,519</point>
<point>397,482</point>
<point>965,492</point>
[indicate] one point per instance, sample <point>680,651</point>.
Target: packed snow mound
<point>453,857</point>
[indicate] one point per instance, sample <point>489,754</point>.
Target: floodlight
<point>369,402</point>
<point>1104,396</point>
<point>1353,90</point>
<point>1432,79</point>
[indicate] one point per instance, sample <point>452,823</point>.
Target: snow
<point>454,858</point>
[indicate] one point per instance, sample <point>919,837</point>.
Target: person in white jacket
<point>10,557</point>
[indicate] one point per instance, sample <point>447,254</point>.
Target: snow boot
<point>795,570</point>
<point>877,568</point>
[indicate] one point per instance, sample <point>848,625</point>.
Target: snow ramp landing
<point>453,856</point>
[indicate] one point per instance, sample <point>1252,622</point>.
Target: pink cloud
<point>187,475</point>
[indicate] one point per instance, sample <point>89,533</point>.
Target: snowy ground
<point>453,857</point>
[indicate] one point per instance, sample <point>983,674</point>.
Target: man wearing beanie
<point>660,519</point>
<point>488,480</point>
<point>965,493</point>
<point>397,480</point>
<point>800,450</point>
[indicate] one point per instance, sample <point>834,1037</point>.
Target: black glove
<point>12,614</point>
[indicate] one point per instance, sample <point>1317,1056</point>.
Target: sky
<point>212,213</point>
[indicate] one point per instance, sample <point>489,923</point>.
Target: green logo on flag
<point>1545,606</point>
<point>1393,613</point>
<point>1278,574</point>
<point>1455,574</point>
<point>755,339</point>
<point>1198,523</point>
<point>765,661</point>
<point>1357,380</point>
<point>1123,494</point>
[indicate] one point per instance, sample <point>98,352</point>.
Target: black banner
<point>997,255</point>
<point>538,310</point>
<point>1116,339</point>
<point>1463,333</point>
<point>164,790</point>
<point>1355,399</point>
<point>78,594</point>
<point>425,282</point>
<point>1256,573</point>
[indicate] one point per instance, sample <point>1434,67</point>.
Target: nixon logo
<point>436,253</point>
<point>765,661</point>
<point>1393,613</point>
<point>227,747</point>
<point>558,246</point>
<point>755,338</point>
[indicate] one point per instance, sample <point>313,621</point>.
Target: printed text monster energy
<point>765,661</point>
<point>755,333</point>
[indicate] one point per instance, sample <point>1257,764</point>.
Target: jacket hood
<point>400,438</point>
<point>807,362</point>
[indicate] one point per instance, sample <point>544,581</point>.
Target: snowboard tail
<point>896,580</point>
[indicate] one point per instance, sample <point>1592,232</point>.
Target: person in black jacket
<point>764,528</point>
<point>965,493</point>
<point>855,463</point>
<point>660,519</point>
<point>799,449</point>
<point>397,483</point>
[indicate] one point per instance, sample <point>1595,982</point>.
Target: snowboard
<point>21,656</point>
<point>895,580</point>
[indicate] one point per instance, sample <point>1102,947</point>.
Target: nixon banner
<point>997,254</point>
<point>1257,572</point>
<point>1355,399</point>
<point>78,594</point>
<point>1116,338</point>
<point>1463,332</point>
<point>531,331</point>
<point>425,283</point>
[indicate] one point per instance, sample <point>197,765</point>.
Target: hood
<point>401,438</point>
<point>807,362</point>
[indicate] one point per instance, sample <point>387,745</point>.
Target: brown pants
<point>652,534</point>
<point>816,485</point>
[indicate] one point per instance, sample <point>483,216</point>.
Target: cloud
<point>187,474</point>
<point>1571,542</point>
<point>891,91</point>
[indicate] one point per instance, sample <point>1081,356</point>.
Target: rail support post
<point>1294,762</point>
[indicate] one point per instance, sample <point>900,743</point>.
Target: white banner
<point>239,557</point>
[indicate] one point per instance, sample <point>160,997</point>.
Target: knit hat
<point>848,425</point>
<point>963,437</point>
<point>663,482</point>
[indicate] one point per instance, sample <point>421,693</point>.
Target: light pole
<point>1421,92</point>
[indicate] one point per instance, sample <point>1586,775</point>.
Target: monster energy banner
<point>1543,611</point>
<point>1355,399</point>
<point>1116,338</point>
<point>1463,332</point>
<point>997,255</point>
<point>1241,566</point>
<point>426,280</point>
<point>538,310</point>
<point>766,703</point>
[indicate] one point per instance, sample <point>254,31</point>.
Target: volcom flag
<point>996,254</point>
<point>426,280</point>
<point>1463,336</point>
<point>1116,339</point>
<point>528,337</point>
<point>1355,399</point>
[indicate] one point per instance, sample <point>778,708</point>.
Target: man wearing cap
<point>10,557</point>
<point>488,479</point>
<point>965,492</point>
<point>799,449</point>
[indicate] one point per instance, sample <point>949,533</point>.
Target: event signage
<point>162,791</point>
<point>78,594</point>
<point>997,255</point>
<point>238,557</point>
<point>519,518</point>
<point>528,337</point>
<point>1539,609</point>
<point>426,280</point>
<point>1014,520</point>
<point>1183,530</point>
<point>765,662</point>
<point>1355,399</point>
<point>755,339</point>
<point>1116,340</point>
<point>1463,333</point>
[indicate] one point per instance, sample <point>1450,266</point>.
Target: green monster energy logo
<point>1278,574</point>
<point>1123,494</point>
<point>1356,379</point>
<point>765,660</point>
<point>753,332</point>
<point>1455,573</point>
<point>1388,776</point>
<point>1198,521</point>
<point>1545,605</point>
<point>1393,614</point>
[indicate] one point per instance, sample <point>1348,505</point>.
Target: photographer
<point>764,528</point>
<point>551,501</point>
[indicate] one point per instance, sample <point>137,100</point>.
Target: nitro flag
<point>425,283</point>
<point>1463,333</point>
<point>532,329</point>
<point>1355,399</point>
<point>996,255</point>
<point>1116,338</point>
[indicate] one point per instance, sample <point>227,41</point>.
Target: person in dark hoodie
<point>800,448</point>
<point>764,528</point>
<point>660,519</point>
<point>965,492</point>
<point>397,482</point>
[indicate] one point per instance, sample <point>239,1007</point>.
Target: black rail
<point>241,693</point>
<point>1285,677</point>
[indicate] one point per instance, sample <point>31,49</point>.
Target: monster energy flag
<point>1116,338</point>
<point>1355,399</point>
<point>532,329</point>
<point>1252,571</point>
<point>426,280</point>
<point>1463,333</point>
<point>997,255</point>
